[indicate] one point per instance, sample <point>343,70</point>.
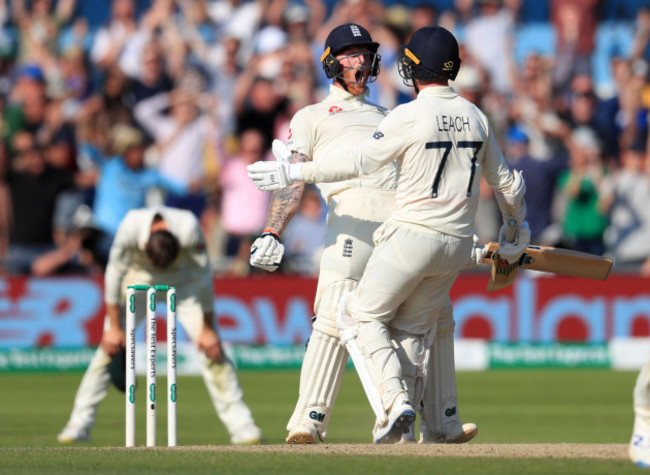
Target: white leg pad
<point>320,380</point>
<point>413,354</point>
<point>439,406</point>
<point>322,367</point>
<point>375,360</point>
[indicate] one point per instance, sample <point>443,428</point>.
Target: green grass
<point>510,406</point>
<point>166,461</point>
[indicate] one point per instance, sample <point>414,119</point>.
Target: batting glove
<point>267,251</point>
<point>478,253</point>
<point>269,176</point>
<point>511,251</point>
<point>280,151</point>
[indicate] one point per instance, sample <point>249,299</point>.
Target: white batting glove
<point>269,176</point>
<point>280,151</point>
<point>478,253</point>
<point>267,252</point>
<point>511,251</point>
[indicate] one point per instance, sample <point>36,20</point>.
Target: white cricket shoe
<point>639,451</point>
<point>400,418</point>
<point>248,435</point>
<point>455,434</point>
<point>73,433</point>
<point>302,435</point>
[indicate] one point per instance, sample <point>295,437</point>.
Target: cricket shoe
<point>639,451</point>
<point>456,434</point>
<point>247,435</point>
<point>72,433</point>
<point>400,419</point>
<point>301,436</point>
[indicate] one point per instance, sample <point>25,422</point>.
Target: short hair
<point>162,248</point>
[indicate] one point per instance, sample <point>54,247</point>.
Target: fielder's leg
<point>228,400</point>
<point>321,372</point>
<point>440,420</point>
<point>220,378</point>
<point>639,450</point>
<point>92,389</point>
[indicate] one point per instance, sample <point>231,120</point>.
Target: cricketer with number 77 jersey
<point>442,144</point>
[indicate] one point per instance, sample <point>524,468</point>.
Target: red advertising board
<point>68,311</point>
<point>555,308</point>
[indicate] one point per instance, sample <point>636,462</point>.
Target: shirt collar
<point>338,93</point>
<point>443,91</point>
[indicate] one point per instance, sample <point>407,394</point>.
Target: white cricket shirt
<point>339,122</point>
<point>128,254</point>
<point>442,144</point>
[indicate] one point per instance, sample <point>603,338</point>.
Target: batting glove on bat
<point>267,252</point>
<point>511,251</point>
<point>478,253</point>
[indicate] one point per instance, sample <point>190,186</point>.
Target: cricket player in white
<point>639,450</point>
<point>162,245</point>
<point>356,209</point>
<point>442,144</point>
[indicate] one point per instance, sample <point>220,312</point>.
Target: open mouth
<point>358,75</point>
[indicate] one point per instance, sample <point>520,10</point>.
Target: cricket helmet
<point>344,36</point>
<point>431,53</point>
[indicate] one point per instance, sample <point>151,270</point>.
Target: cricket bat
<point>546,259</point>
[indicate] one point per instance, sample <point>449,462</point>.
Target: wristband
<point>295,172</point>
<point>270,232</point>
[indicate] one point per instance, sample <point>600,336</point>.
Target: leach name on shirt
<point>447,123</point>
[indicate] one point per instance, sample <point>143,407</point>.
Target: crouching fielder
<point>442,143</point>
<point>162,246</point>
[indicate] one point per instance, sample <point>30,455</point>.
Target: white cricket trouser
<point>642,391</point>
<point>220,379</point>
<point>405,284</point>
<point>348,246</point>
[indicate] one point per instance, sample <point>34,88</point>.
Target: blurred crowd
<point>109,105</point>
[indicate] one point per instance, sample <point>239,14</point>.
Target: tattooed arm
<point>286,202</point>
<point>267,250</point>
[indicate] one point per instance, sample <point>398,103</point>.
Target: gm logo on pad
<point>317,416</point>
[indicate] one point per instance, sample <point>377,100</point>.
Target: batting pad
<point>439,406</point>
<point>413,354</point>
<point>328,306</point>
<point>320,380</point>
<point>323,365</point>
<point>374,358</point>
